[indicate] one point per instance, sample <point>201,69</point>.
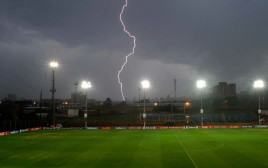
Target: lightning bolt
<point>126,57</point>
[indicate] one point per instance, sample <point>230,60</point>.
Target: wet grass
<point>136,148</point>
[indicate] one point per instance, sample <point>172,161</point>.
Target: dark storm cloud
<point>66,21</point>
<point>225,37</point>
<point>222,40</point>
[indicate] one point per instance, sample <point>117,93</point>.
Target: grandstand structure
<point>130,114</point>
<point>209,118</point>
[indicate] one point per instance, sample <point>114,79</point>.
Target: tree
<point>166,108</point>
<point>8,111</point>
<point>123,103</point>
<point>217,102</point>
<point>146,101</point>
<point>107,103</point>
<point>232,101</point>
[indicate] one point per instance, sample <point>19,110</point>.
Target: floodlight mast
<point>259,84</point>
<point>201,84</point>
<point>53,66</point>
<point>86,85</point>
<point>145,85</point>
<point>184,106</point>
<point>184,109</point>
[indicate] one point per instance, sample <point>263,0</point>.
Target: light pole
<point>53,66</point>
<point>85,85</point>
<point>185,104</point>
<point>139,108</point>
<point>184,109</point>
<point>145,85</point>
<point>201,84</point>
<point>259,84</point>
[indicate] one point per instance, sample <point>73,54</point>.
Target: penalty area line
<point>185,150</point>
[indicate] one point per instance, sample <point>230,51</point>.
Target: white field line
<point>185,151</point>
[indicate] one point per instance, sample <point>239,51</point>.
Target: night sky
<point>218,40</point>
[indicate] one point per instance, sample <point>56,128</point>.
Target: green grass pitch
<point>136,148</point>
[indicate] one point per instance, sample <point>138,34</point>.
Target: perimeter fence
<point>138,120</point>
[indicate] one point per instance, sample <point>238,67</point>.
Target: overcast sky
<point>218,40</point>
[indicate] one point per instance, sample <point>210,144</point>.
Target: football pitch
<point>136,148</point>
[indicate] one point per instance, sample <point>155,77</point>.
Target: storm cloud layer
<point>184,39</point>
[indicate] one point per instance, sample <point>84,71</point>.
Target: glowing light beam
<point>126,57</point>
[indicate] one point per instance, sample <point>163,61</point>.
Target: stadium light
<point>201,84</point>
<point>145,85</point>
<point>53,65</point>
<point>86,85</point>
<point>259,84</point>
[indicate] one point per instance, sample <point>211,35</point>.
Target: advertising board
<point>234,126</point>
<point>261,126</point>
<point>170,127</point>
<point>217,126</point>
<point>176,127</point>
<point>92,128</point>
<point>77,128</point>
<point>134,127</point>
<point>191,127</point>
<point>65,128</point>
<point>161,127</point>
<point>35,129</point>
<point>48,128</point>
<point>106,128</point>
<point>4,133</point>
<point>14,132</point>
<point>247,126</point>
<point>220,126</point>
<point>206,127</point>
<point>149,127</point>
<point>120,128</point>
<point>24,130</point>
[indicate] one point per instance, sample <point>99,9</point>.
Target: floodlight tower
<point>53,66</point>
<point>175,89</point>
<point>139,95</point>
<point>85,85</point>
<point>75,85</point>
<point>145,85</point>
<point>186,104</point>
<point>200,85</point>
<point>259,84</point>
<point>171,104</point>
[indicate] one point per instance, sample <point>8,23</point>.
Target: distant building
<point>67,106</point>
<point>68,109</point>
<point>231,89</point>
<point>224,90</point>
<point>168,98</point>
<point>73,112</point>
<point>78,98</point>
<point>11,97</point>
